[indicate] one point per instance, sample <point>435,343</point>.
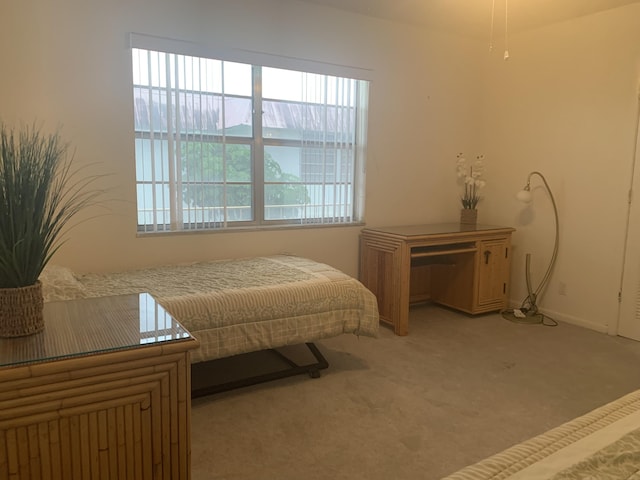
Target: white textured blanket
<point>242,305</point>
<point>601,445</point>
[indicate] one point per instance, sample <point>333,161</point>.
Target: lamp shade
<point>524,196</point>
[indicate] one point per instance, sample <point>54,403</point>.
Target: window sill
<point>250,229</point>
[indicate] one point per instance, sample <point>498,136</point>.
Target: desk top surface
<point>438,229</point>
<point>94,325</point>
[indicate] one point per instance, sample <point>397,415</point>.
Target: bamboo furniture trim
<point>120,413</point>
<point>466,268</point>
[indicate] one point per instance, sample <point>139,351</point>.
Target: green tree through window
<point>210,182</point>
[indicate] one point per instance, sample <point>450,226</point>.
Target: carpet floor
<point>454,391</point>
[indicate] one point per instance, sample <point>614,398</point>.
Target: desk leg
<point>382,272</point>
<point>401,288</point>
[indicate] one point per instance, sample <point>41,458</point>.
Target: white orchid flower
<point>471,179</point>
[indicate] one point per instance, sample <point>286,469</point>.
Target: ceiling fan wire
<point>506,29</point>
<point>493,16</point>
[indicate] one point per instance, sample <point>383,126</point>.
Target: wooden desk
<point>466,268</point>
<point>102,392</point>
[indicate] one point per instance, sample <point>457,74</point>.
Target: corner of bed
<point>603,444</point>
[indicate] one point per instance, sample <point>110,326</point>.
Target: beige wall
<point>70,66</point>
<point>564,104</point>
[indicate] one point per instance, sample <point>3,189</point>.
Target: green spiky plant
<point>40,191</point>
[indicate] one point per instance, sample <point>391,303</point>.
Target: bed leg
<point>312,369</point>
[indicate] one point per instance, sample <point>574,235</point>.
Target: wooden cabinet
<point>103,392</point>
<point>473,282</point>
<point>493,274</point>
<point>462,268</point>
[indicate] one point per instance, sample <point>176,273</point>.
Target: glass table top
<point>93,325</point>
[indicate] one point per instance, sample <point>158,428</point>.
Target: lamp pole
<point>528,311</point>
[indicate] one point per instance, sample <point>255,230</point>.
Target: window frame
<point>256,142</point>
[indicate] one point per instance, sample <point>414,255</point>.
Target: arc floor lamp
<point>528,311</point>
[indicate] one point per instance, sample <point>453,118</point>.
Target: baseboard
<point>575,321</point>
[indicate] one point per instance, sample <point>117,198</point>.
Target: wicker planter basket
<point>468,217</point>
<point>21,311</point>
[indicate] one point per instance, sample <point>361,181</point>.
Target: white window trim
<point>185,47</point>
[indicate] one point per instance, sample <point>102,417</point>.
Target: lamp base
<point>518,316</point>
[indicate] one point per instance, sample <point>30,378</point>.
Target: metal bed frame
<point>292,368</point>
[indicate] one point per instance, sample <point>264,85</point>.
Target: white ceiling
<point>473,17</point>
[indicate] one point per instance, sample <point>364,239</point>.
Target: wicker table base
<point>71,409</point>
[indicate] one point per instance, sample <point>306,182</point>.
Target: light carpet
<point>455,390</point>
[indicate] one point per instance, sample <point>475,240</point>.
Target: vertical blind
<point>222,144</point>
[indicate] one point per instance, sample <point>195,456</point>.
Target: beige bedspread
<point>601,445</point>
<point>243,305</point>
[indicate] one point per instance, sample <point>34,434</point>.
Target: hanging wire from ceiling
<point>493,16</point>
<point>506,27</point>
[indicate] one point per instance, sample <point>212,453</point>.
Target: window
<point>221,144</point>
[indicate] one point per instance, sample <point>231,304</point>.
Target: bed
<point>601,445</point>
<point>242,305</point>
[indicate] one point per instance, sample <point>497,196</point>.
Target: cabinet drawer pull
<point>487,254</point>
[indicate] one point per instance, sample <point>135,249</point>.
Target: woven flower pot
<point>21,311</point>
<point>468,217</point>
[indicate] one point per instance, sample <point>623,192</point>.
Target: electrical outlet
<point>562,288</point>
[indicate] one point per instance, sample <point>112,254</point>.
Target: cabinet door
<point>493,272</point>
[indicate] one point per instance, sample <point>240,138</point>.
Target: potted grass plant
<point>40,191</point>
